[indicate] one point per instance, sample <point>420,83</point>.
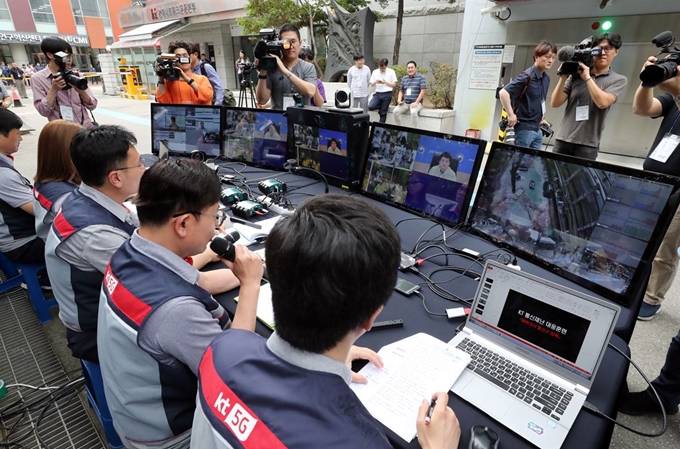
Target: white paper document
<point>249,234</point>
<point>413,369</point>
<point>265,310</point>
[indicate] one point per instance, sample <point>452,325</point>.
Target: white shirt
<point>388,75</point>
<point>358,81</point>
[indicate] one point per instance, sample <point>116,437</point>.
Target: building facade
<point>88,25</point>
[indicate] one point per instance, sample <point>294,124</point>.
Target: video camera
<point>166,65</point>
<point>572,55</point>
<point>662,69</point>
<point>68,75</point>
<point>269,45</point>
<point>247,67</point>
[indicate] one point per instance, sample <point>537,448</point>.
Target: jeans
<point>667,385</point>
<point>529,138</point>
<point>381,101</point>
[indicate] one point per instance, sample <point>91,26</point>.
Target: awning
<point>147,31</point>
<point>149,35</point>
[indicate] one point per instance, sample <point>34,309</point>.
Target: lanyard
<point>670,131</point>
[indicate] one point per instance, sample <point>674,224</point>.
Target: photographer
<point>188,88</point>
<point>663,157</point>
<point>292,76</point>
<point>201,67</point>
<point>52,96</point>
<point>589,97</point>
<point>524,97</point>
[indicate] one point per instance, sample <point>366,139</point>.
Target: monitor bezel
<point>471,187</point>
<point>626,297</point>
<point>185,154</point>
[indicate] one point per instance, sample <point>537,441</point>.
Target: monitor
<point>329,142</point>
<point>183,130</point>
<point>255,136</point>
<point>594,223</point>
<point>425,172</point>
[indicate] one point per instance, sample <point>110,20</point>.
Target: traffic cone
<point>15,96</point>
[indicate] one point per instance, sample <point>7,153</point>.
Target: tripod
<point>246,87</point>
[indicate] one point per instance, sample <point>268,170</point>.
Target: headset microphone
<point>224,246</point>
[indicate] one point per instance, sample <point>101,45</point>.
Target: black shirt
<point>529,108</point>
<point>671,116</point>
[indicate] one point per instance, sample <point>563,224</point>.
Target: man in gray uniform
<point>18,240</point>
<point>590,94</point>
<point>293,76</point>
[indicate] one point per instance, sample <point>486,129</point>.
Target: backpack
<point>228,99</point>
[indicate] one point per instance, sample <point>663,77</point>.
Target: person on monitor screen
<point>292,76</point>
<point>52,96</point>
<point>333,147</point>
<point>272,132</point>
<point>664,157</point>
<point>443,168</point>
<point>173,124</point>
<point>156,316</point>
<point>589,95</point>
<point>189,88</point>
<point>410,97</point>
<point>295,385</point>
<point>384,79</point>
<point>358,80</point>
<point>524,97</point>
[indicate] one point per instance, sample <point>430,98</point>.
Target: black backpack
<point>228,99</point>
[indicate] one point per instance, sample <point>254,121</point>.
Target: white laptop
<point>544,343</point>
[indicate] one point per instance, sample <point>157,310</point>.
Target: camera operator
<point>292,75</point>
<point>201,67</point>
<point>664,157</point>
<point>52,96</point>
<point>189,88</point>
<point>528,91</point>
<point>589,97</point>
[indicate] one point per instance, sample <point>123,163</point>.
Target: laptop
<point>536,347</point>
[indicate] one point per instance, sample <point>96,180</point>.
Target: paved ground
<point>648,345</point>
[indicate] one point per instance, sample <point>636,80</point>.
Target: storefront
<point>23,48</point>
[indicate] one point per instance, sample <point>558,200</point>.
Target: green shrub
<point>441,90</point>
<point>321,62</point>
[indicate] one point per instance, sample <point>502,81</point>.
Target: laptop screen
<point>554,323</point>
<point>593,223</point>
<point>425,172</point>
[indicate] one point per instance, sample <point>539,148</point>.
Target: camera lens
<point>658,73</point>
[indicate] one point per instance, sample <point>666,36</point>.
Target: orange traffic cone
<point>15,96</point>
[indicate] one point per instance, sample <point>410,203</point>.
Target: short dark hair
<point>98,150</point>
<point>543,48</point>
<point>52,44</point>
<point>614,40</point>
<point>195,48</point>
<point>175,186</point>
<point>306,53</point>
<point>358,56</point>
<point>383,62</point>
<point>447,155</point>
<point>331,265</point>
<point>289,27</point>
<point>9,121</point>
<point>412,62</point>
<point>180,44</point>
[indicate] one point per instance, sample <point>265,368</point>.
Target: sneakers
<point>640,403</point>
<point>647,311</point>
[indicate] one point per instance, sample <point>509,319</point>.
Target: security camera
<point>494,9</point>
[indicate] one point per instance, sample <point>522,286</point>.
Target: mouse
<point>482,437</point>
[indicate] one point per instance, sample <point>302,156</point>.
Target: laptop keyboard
<point>536,391</point>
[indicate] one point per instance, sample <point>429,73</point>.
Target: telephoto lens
<point>510,135</point>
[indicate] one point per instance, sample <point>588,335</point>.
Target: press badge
<point>408,91</point>
<point>288,102</point>
<point>66,112</point>
<point>665,148</point>
<point>581,113</point>
<point>543,107</point>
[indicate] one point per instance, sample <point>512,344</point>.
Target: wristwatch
<point>190,82</point>
<point>262,77</point>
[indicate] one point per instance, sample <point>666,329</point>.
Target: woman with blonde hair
<point>56,176</point>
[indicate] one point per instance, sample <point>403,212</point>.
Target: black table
<point>608,383</point>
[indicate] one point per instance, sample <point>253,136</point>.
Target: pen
<point>430,409</point>
<point>245,222</point>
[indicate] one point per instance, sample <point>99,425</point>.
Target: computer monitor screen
<point>180,130</point>
<point>591,222</point>
<point>321,149</point>
<point>425,172</point>
<point>255,136</point>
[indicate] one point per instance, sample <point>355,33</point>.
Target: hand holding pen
<point>437,425</point>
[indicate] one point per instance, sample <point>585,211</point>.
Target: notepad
<point>250,235</point>
<point>413,369</point>
<point>265,311</point>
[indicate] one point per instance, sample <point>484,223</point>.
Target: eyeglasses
<point>128,168</point>
<point>219,217</point>
<point>607,48</point>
